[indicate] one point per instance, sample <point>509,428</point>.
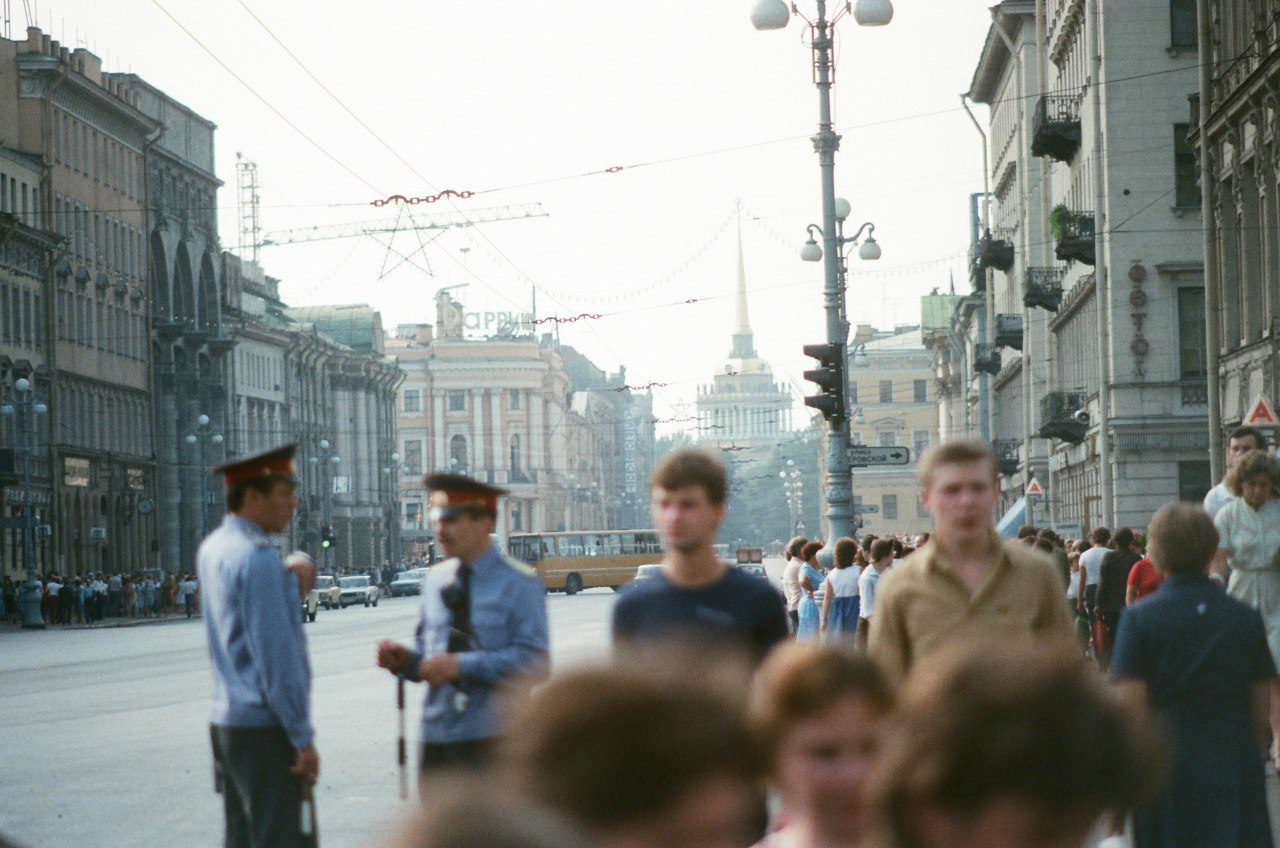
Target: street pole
<point>839,493</point>
<point>773,14</point>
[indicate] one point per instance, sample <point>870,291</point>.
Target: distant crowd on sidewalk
<point>96,596</point>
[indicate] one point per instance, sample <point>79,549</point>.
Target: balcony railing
<point>994,251</point>
<point>1062,416</point>
<point>1043,288</point>
<point>986,359</point>
<point>1006,451</point>
<point>1073,231</point>
<point>1056,128</point>
<point>1009,331</point>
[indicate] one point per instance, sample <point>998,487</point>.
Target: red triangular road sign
<point>1261,414</point>
<point>1034,487</point>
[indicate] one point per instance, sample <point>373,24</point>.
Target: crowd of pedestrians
<point>97,596</point>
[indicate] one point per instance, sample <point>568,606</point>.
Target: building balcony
<point>1073,232</point>
<point>1056,127</point>
<point>1006,451</point>
<point>986,359</point>
<point>1043,288</point>
<point>993,251</point>
<point>1062,417</point>
<point>1009,331</point>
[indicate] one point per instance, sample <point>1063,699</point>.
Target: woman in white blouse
<point>1249,542</point>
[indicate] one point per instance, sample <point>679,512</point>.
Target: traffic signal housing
<point>829,378</point>
<point>327,537</point>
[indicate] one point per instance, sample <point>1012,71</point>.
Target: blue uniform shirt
<point>261,677</point>
<point>509,620</point>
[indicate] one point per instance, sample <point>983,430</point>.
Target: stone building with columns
<point>89,136</point>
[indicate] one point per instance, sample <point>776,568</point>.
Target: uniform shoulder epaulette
<point>519,567</point>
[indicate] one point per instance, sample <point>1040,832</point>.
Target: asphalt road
<point>104,732</point>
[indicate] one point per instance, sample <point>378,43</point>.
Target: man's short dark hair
<point>1123,538</point>
<point>690,467</point>
<point>1026,531</point>
<point>1100,536</point>
<point>881,548</point>
<point>1245,432</point>
<point>236,493</point>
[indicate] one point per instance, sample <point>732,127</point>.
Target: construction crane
<point>405,222</point>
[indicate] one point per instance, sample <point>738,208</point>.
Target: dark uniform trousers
<point>261,799</point>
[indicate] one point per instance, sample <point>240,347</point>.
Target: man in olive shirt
<point>966,583</point>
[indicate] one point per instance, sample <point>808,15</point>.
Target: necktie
<point>459,604</point>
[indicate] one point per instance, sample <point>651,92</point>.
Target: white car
<point>356,590</point>
<point>647,572</point>
<point>407,582</point>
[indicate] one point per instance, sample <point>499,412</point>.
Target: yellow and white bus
<point>575,560</point>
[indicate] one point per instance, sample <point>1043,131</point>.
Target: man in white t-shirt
<point>791,580</point>
<point>881,556</point>
<point>1241,441</point>
<point>1091,571</point>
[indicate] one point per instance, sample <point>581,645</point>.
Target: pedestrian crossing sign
<point>1261,414</point>
<point>1034,488</point>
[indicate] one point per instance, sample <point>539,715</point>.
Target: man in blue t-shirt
<point>697,596</point>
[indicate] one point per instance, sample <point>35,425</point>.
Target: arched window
<point>516,474</point>
<point>458,453</point>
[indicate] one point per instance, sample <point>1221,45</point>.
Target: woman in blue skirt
<point>840,600</point>
<point>811,578</point>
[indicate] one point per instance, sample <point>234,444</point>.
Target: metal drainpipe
<point>1028,345</point>
<point>49,223</point>
<point>1046,201</point>
<point>1101,291</point>
<point>1208,189</point>
<point>985,328</point>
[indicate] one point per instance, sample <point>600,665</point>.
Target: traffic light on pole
<point>830,378</point>
<point>327,539</point>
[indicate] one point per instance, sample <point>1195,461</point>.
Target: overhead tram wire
<point>319,147</point>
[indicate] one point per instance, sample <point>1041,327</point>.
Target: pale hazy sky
<point>526,102</point>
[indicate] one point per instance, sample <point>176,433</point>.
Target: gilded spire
<point>743,343</point>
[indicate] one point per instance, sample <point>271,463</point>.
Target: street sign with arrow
<point>860,456</point>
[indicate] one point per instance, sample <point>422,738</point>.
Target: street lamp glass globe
<point>22,384</point>
<point>6,409</point>
<point>313,460</point>
<point>869,250</point>
<point>190,439</point>
<point>324,444</point>
<point>335,459</point>
<point>873,12</point>
<point>203,420</point>
<point>843,208</point>
<point>395,457</point>
<point>40,408</point>
<point>811,252</point>
<point>770,14</point>
<point>217,438</point>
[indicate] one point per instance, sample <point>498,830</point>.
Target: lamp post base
<point>31,618</point>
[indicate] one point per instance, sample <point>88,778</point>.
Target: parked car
<point>754,569</point>
<point>407,582</point>
<point>326,590</point>
<point>356,590</point>
<point>310,604</point>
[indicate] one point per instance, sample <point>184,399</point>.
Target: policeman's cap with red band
<point>453,494</point>
<point>276,463</point>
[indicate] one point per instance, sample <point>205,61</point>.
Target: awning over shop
<point>1011,521</point>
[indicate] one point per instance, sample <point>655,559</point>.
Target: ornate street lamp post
<point>774,14</point>
<point>204,438</point>
<point>324,462</point>
<point>23,405</point>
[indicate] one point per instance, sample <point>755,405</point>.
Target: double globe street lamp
<point>23,405</point>
<point>775,14</point>
<point>204,438</point>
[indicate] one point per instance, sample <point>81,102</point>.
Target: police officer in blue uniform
<point>482,624</point>
<point>264,754</point>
